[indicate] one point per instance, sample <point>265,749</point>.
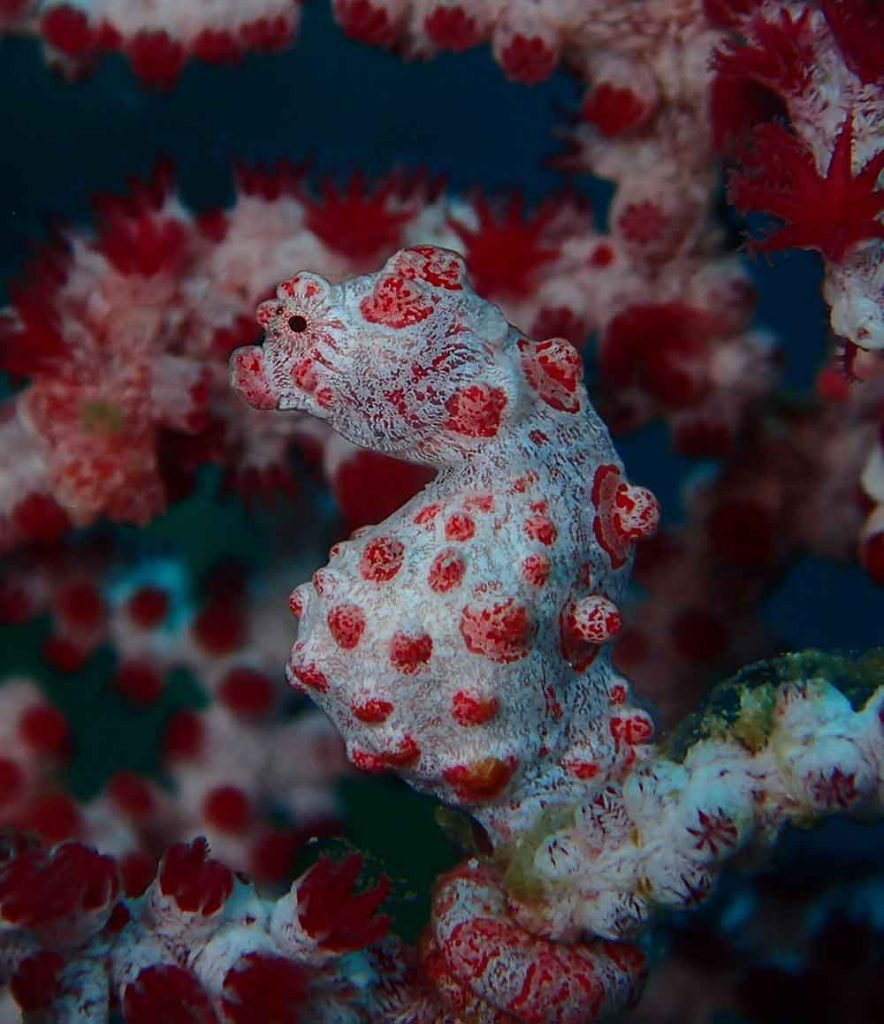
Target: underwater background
<point>343,106</point>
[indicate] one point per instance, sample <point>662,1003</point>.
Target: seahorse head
<point>407,361</point>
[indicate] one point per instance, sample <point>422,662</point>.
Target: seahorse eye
<point>298,324</point>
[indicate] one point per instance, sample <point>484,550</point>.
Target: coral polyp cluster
<point>199,943</point>
<point>156,38</point>
<point>507,621</point>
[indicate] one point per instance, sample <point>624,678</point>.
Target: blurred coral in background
<point>313,304</point>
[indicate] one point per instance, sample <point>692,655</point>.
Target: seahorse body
<point>459,641</point>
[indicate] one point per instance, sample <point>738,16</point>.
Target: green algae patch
<point>517,861</point>
<point>742,707</point>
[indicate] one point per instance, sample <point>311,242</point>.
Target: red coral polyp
<point>333,913</point>
<point>263,987</point>
<point>166,993</point>
<point>831,212</point>
<point>197,883</point>
<point>41,888</point>
<point>507,249</point>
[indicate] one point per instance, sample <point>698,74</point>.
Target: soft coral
<point>830,212</point>
<point>331,911</point>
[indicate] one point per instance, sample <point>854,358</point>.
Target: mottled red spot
<point>480,503</point>
<point>575,649</point>
<point>366,761</point>
<point>467,709</point>
<point>481,780</point>
<point>248,377</point>
<point>459,527</point>
<point>476,410</point>
<point>631,729</point>
<point>347,624</point>
<point>325,397</point>
<point>403,755</point>
<point>397,302</point>
<point>410,653</point>
<point>436,266</point>
<point>618,694</point>
<point>446,571</point>
<point>554,370</point>
<point>624,514</point>
<point>308,674</point>
<point>580,769</point>
<point>372,711</point>
<point>427,515</point>
<point>536,570</point>
<point>502,632</point>
<point>324,582</point>
<point>381,559</point>
<point>594,619</point>
<point>304,375</point>
<point>541,528</point>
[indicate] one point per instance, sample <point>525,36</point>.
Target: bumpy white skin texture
<point>459,641</point>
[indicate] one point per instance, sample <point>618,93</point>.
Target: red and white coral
<point>821,176</point>
<point>199,942</point>
<point>157,38</point>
